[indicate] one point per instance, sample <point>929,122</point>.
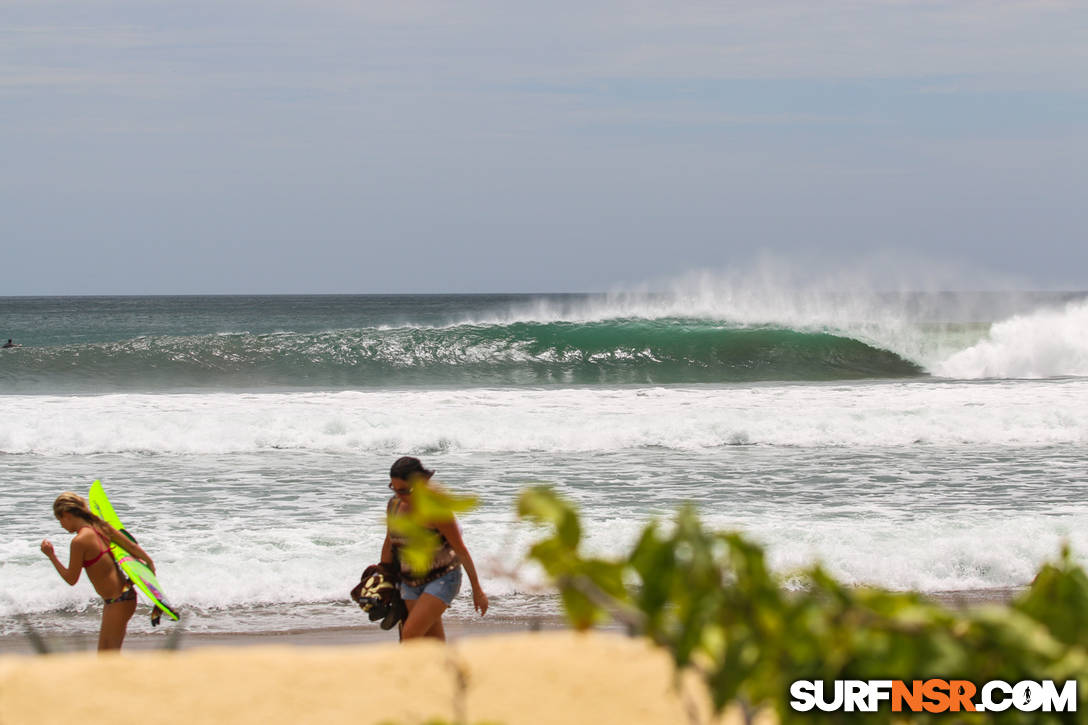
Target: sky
<point>237,146</point>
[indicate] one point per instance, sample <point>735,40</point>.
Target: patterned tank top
<point>444,561</point>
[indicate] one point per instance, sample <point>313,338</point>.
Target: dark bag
<point>378,595</point>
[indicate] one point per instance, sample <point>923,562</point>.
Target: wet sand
<point>366,633</point>
<point>975,597</point>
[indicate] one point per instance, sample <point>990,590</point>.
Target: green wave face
<point>523,353</point>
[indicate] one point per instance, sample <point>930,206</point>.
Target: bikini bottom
<point>127,595</point>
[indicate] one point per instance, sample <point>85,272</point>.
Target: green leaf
<point>430,507</point>
<point>541,504</point>
<point>710,600</point>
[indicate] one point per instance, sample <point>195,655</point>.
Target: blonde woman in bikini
<point>90,550</point>
<point>428,596</point>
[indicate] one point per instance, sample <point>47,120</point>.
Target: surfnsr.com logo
<point>933,696</point>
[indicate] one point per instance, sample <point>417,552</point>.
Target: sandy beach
<point>539,678</point>
<point>492,670</point>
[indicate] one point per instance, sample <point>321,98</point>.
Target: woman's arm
<point>70,573</point>
<point>450,530</point>
<point>387,546</point>
<point>131,547</point>
<point>387,550</point>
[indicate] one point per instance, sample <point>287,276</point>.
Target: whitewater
<point>1042,413</point>
<point>930,442</point>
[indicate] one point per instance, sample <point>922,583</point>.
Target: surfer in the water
<point>90,550</point>
<point>428,596</point>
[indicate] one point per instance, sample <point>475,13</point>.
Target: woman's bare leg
<point>437,631</point>
<point>425,618</point>
<point>115,624</point>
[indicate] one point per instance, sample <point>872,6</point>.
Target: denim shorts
<point>444,587</point>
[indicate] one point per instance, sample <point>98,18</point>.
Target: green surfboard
<point>141,576</point>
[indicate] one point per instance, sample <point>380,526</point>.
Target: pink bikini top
<point>102,553</point>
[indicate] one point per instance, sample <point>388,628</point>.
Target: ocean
<point>934,442</point>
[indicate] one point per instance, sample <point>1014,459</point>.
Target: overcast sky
<point>239,146</point>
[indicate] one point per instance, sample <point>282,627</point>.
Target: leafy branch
<point>430,505</point>
<point>709,599</point>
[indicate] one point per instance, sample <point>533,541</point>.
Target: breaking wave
<point>622,351</point>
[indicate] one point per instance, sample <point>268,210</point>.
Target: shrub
<point>709,599</point>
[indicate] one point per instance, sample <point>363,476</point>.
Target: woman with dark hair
<point>427,596</point>
<point>90,550</point>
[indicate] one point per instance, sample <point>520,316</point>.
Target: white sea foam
<point>573,419</point>
<point>219,574</point>
<point>1046,343</point>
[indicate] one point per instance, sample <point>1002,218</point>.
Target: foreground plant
<point>430,505</point>
<point>709,599</point>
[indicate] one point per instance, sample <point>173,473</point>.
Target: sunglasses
<point>401,491</point>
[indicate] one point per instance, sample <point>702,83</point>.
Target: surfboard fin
<point>156,616</point>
